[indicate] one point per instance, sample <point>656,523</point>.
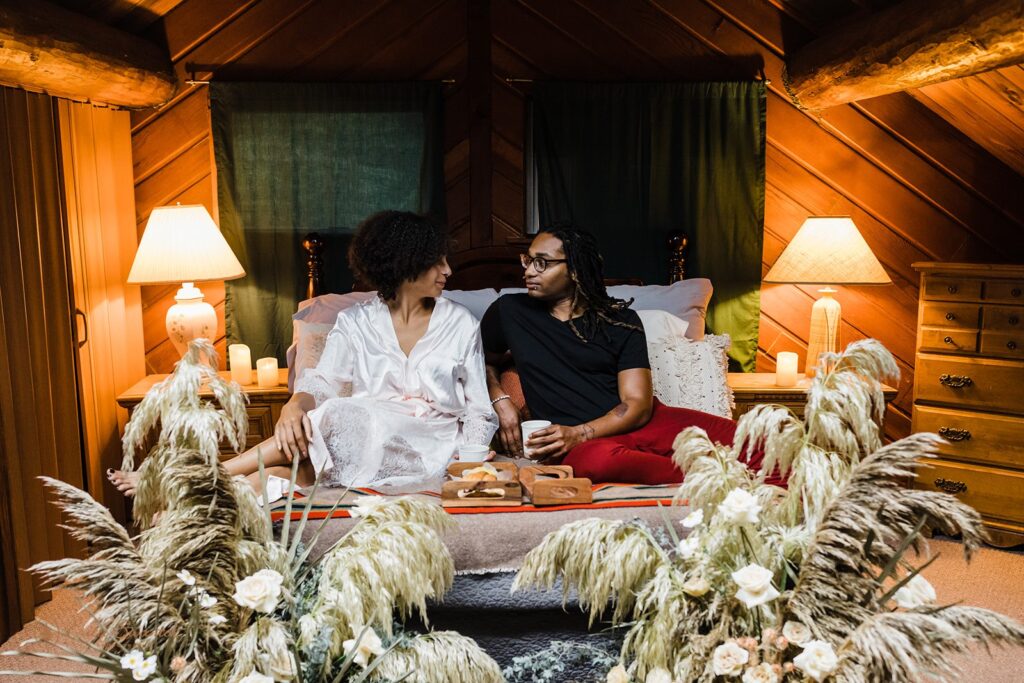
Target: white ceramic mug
<point>473,452</point>
<point>529,427</point>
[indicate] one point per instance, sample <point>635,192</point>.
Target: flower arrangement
<point>208,591</point>
<point>809,583</point>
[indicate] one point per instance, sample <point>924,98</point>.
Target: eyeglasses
<point>539,263</point>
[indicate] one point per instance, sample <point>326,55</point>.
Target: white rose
<point>658,675</point>
<point>728,659</point>
<point>796,632</point>
<point>696,586</point>
<point>368,505</point>
<point>185,576</point>
<point>368,645</point>
<point>739,507</point>
<point>256,677</point>
<point>260,592</point>
<point>818,660</point>
<point>915,593</point>
<point>762,673</point>
<point>617,674</point>
<point>688,547</point>
<point>755,584</point>
<point>694,519</point>
<point>281,663</point>
<point>146,669</point>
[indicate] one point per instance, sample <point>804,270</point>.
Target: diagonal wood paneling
<point>934,174</point>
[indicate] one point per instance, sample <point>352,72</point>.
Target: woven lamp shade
<point>828,251</point>
<point>183,244</point>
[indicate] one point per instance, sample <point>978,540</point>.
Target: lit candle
<point>266,372</point>
<point>240,360</point>
<point>785,369</point>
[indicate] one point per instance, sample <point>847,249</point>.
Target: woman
<point>400,384</point>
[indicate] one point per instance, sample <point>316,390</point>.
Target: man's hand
<point>509,432</point>
<point>293,432</point>
<point>555,441</point>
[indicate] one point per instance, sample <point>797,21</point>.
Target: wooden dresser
<point>969,388</point>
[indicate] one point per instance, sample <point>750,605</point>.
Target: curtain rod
<point>195,81</point>
<point>507,79</point>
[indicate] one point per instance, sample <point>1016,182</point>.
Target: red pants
<point>644,456</point>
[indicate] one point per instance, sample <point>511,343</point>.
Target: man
<point>582,360</point>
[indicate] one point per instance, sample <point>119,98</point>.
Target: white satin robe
<point>406,416</point>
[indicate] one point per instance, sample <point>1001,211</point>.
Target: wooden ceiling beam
<point>45,48</point>
<point>909,45</point>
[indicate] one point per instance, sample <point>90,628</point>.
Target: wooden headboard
<point>494,267</point>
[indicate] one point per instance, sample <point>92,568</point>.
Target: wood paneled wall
<point>916,187</point>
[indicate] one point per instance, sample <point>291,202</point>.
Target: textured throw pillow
<point>692,374</point>
<point>310,339</point>
<point>686,299</point>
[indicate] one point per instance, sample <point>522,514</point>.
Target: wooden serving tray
<point>507,482</point>
<point>555,485</point>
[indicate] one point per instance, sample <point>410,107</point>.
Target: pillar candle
<point>266,372</point>
<point>240,360</point>
<point>785,369</point>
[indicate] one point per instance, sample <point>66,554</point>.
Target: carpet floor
<point>994,579</point>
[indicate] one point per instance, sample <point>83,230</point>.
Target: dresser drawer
<point>976,382</point>
<point>951,289</point>
<point>1003,318</point>
<point>950,315</point>
<point>949,340</point>
<point>1008,291</point>
<point>977,437</point>
<point>995,493</point>
<point>1003,344</point>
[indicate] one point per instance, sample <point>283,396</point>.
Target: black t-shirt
<point>564,379</point>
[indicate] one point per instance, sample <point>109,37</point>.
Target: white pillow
<point>692,374</point>
<point>686,299</point>
<point>476,300</point>
<point>660,325</point>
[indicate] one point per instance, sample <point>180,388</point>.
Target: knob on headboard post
<point>313,246</point>
<point>677,242</point>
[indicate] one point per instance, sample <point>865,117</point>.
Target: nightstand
<point>264,404</point>
<point>753,388</point>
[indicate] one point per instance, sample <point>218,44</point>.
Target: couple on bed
<point>409,375</point>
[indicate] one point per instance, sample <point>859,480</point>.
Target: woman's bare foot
<point>126,482</point>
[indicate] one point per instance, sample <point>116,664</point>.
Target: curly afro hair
<point>392,247</point>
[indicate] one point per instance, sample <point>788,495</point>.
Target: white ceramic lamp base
<point>190,318</point>
<point>824,338</point>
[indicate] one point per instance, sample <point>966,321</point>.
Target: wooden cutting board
<point>555,485</point>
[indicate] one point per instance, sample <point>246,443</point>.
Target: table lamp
<point>183,244</point>
<point>827,250</point>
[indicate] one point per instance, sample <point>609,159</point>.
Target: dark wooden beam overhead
<point>45,48</point>
<point>909,45</point>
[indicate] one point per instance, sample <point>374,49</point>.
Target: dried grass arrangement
<point>208,591</point>
<point>814,582</point>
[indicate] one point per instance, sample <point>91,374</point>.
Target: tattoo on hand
<point>621,409</point>
<point>588,431</point>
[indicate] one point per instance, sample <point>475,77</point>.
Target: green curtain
<point>293,158</point>
<point>634,161</point>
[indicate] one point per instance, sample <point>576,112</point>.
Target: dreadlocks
<point>586,268</point>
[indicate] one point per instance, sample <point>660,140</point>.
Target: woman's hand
<point>490,456</point>
<point>509,432</point>
<point>293,431</point>
<point>555,441</point>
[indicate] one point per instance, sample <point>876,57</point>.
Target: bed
<point>488,544</point>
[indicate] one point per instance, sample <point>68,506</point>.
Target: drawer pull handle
<point>1012,345</point>
<point>947,339</point>
<point>1015,291</point>
<point>952,289</point>
<point>951,486</point>
<point>1013,320</point>
<point>955,381</point>
<point>950,316</point>
<point>954,434</point>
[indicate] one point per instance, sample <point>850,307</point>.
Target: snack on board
<point>482,473</point>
